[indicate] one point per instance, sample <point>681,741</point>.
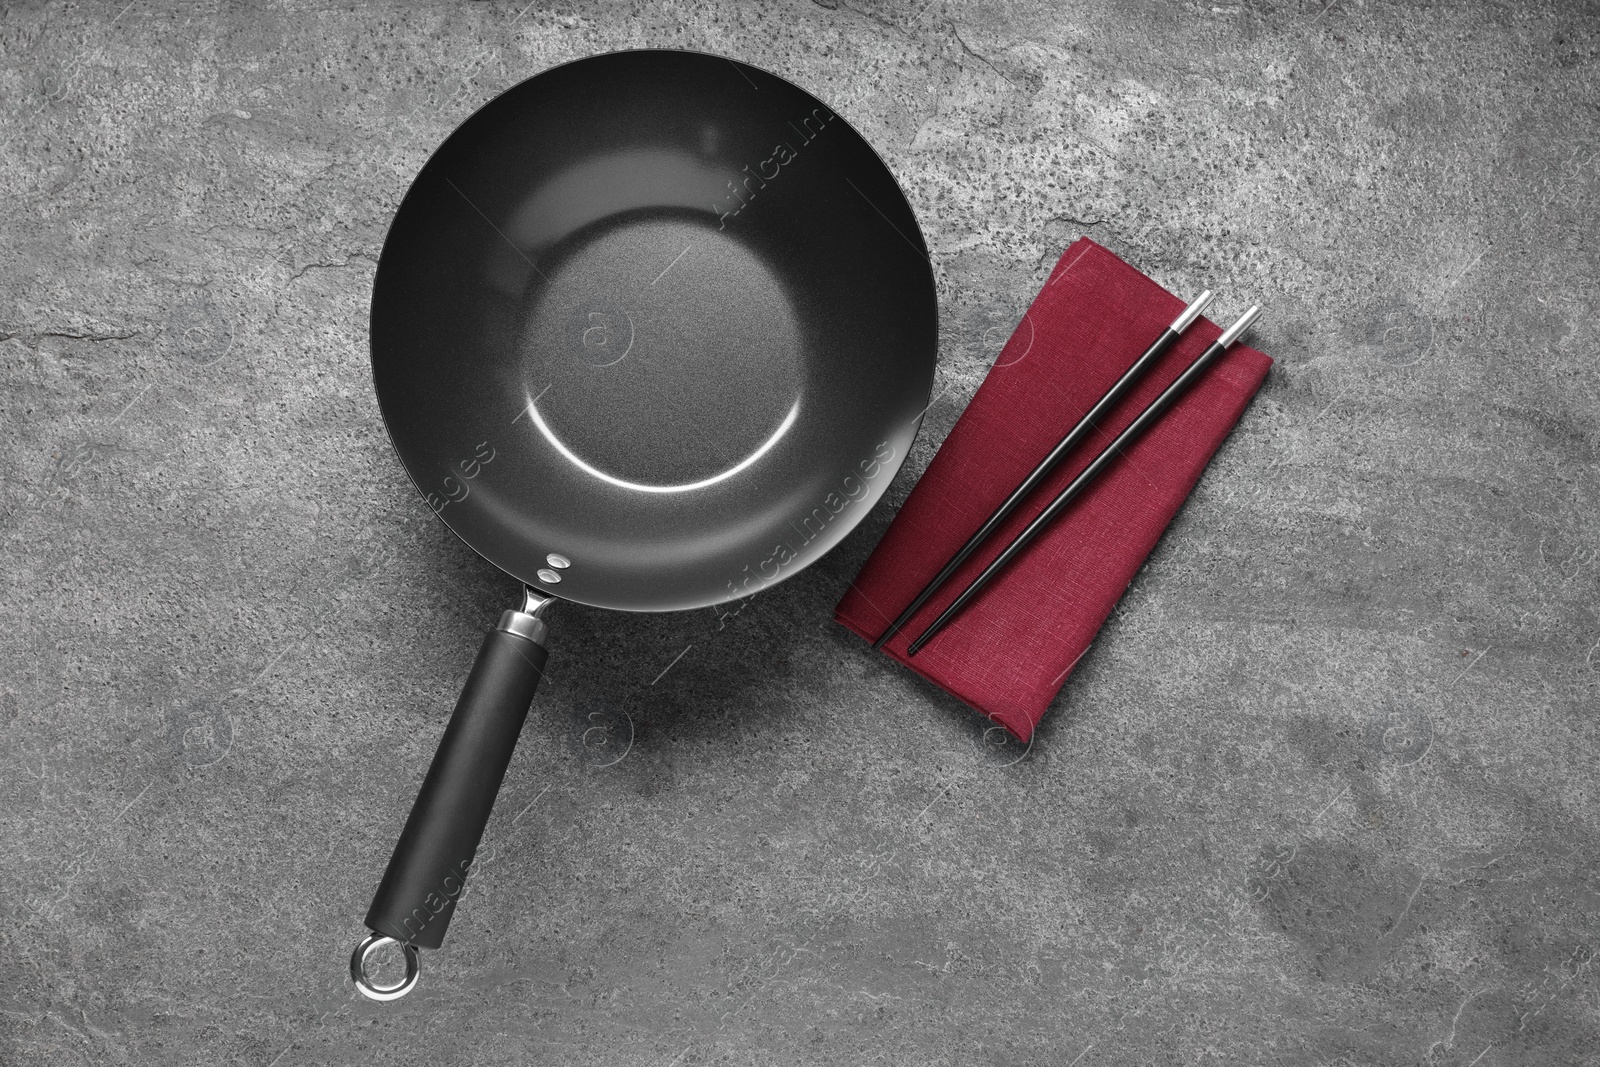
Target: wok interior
<point>657,314</point>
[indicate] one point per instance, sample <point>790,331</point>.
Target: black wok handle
<point>429,867</point>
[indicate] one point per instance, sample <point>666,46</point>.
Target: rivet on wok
<point>548,577</point>
<point>559,562</point>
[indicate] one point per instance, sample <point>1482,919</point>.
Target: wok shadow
<point>624,689</point>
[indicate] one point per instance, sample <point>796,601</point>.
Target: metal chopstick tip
<point>1231,334</point>
<point>1190,313</point>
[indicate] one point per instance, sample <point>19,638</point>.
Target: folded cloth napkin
<point>1010,651</point>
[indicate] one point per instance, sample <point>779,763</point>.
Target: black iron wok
<point>650,331</point>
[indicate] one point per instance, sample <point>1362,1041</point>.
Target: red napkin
<point>1010,651</point>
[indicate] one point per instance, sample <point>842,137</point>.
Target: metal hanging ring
<point>372,990</point>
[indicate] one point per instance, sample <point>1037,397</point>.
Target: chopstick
<point>1143,422</point>
<point>1157,349</point>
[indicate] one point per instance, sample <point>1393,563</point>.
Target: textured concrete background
<point>1323,793</point>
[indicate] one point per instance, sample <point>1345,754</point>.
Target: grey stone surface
<point>1323,792</point>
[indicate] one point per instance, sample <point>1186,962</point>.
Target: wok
<point>650,331</point>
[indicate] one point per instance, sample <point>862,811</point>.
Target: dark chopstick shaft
<point>1143,422</point>
<point>1129,378</point>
